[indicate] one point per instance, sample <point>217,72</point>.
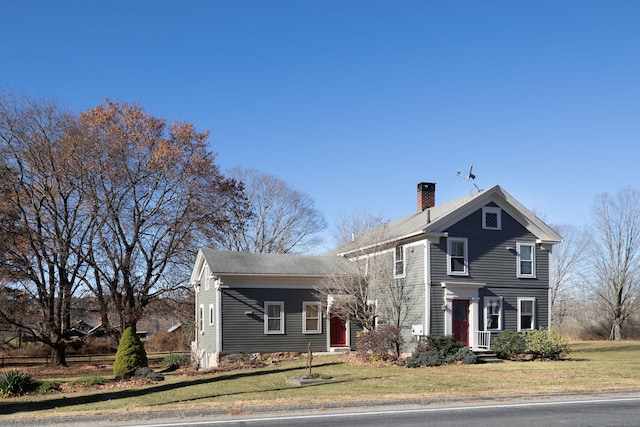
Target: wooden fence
<point>17,361</point>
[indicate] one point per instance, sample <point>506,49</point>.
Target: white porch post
<point>448,313</point>
<point>473,322</point>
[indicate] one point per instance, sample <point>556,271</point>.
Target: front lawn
<point>591,366</point>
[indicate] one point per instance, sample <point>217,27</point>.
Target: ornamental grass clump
<point>174,361</point>
<point>130,355</point>
<point>17,383</point>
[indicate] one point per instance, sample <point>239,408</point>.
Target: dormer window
<point>398,262</point>
<point>491,218</point>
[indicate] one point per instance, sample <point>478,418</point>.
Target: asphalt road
<point>606,409</point>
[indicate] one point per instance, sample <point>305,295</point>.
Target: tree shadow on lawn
<point>7,407</point>
<point>265,390</point>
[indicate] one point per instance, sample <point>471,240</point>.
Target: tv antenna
<point>470,177</point>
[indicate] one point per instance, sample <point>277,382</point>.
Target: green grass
<point>88,381</point>
<point>591,366</point>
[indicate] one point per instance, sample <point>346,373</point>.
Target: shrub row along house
<point>469,268</point>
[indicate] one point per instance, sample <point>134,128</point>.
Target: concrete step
<point>487,357</point>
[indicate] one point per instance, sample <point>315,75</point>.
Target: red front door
<point>461,320</point>
<point>338,332</point>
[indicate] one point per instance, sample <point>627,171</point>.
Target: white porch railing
<point>484,340</point>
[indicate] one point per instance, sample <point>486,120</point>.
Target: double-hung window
<point>398,262</point>
<point>311,318</point>
<point>457,259</point>
<point>493,313</point>
<point>211,314</point>
<point>526,259</point>
<point>274,317</point>
<point>526,313</point>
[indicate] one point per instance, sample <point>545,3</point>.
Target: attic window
<point>491,218</point>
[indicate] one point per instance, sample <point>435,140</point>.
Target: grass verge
<point>592,366</point>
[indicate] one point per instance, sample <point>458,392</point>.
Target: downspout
<point>549,260</point>
<point>218,303</point>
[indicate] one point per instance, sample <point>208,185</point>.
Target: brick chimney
<point>426,195</point>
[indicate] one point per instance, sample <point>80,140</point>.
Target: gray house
<point>263,303</point>
<point>469,268</point>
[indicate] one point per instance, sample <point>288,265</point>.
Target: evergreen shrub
<point>440,350</point>
<point>444,344</point>
<point>546,344</point>
<point>130,355</point>
<point>507,344</point>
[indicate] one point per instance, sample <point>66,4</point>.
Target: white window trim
<point>493,210</point>
<point>201,318</point>
<point>519,260</point>
<point>304,317</point>
<point>266,317</point>
<point>207,278</point>
<point>486,312</point>
<point>451,240</point>
<point>211,315</point>
<point>404,261</point>
<point>533,314</point>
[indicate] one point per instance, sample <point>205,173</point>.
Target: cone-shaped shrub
<point>130,354</point>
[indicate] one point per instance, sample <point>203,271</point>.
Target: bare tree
<point>348,226</point>
<point>279,219</point>
<point>156,194</point>
<point>372,292</point>
<point>616,257</point>
<point>352,293</point>
<point>41,152</point>
<point>10,226</point>
<point>567,270</point>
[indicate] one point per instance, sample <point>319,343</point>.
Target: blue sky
<point>355,102</point>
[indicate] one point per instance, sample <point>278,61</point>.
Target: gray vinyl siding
<point>437,315</point>
<point>410,289</point>
<point>244,333</point>
<point>207,341</point>
<point>491,263</point>
<point>415,290</point>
